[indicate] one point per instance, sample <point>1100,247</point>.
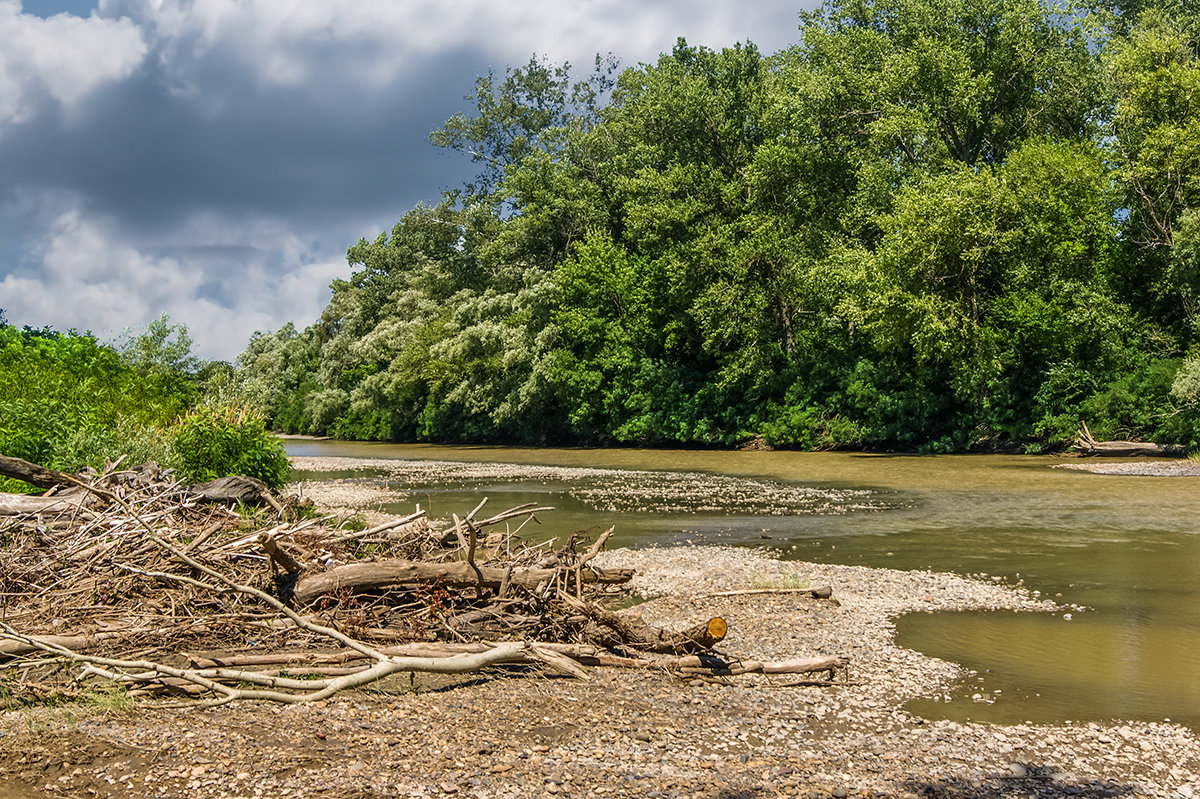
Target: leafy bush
<point>1132,406</point>
<point>91,445</point>
<point>68,401</point>
<point>1182,424</point>
<point>211,442</point>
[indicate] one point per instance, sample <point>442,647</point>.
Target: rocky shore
<point>1138,468</point>
<point>630,733</point>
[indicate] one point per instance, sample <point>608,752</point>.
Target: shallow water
<point>1125,547</point>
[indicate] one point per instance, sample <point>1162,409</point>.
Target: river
<point>1123,549</point>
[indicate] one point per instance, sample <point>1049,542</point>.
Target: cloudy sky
<point>212,159</point>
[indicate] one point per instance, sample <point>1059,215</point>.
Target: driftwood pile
<point>130,577</point>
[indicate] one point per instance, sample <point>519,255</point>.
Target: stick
<point>278,555</point>
<point>381,528</point>
<point>817,593</point>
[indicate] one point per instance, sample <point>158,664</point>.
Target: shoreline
<point>1137,468</point>
<point>631,733</point>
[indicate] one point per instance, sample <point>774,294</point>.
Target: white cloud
<point>375,42</point>
<point>64,57</point>
<point>85,277</point>
<point>84,242</point>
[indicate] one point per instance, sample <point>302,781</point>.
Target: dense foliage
<point>935,225</point>
<point>215,441</point>
<point>69,401</point>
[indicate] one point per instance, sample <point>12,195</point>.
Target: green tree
<point>998,274</point>
<point>1156,146</point>
<point>161,348</point>
<point>914,228</point>
<point>521,114</point>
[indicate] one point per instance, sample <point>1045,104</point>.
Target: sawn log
<point>612,630</point>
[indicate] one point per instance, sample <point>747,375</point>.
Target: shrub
<point>211,442</point>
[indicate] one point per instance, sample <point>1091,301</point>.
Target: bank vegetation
<point>922,226</point>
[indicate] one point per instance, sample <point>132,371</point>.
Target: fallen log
<point>612,630</point>
<point>634,633</point>
<point>235,488</point>
<point>15,646</point>
<point>62,502</point>
<point>1131,449</point>
<point>582,654</point>
<point>1086,445</point>
<point>32,473</point>
<point>385,574</point>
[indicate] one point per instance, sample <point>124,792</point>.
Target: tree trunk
<point>1086,445</point>
<point>63,502</point>
<point>612,630</point>
<point>33,474</point>
<point>381,575</point>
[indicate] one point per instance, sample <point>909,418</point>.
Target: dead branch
<point>1086,445</point>
<point>32,473</point>
<point>123,571</point>
<point>820,592</point>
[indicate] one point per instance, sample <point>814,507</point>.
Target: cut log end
<point>715,630</point>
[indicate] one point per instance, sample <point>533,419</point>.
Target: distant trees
<point>923,225</point>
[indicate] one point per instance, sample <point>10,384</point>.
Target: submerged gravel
<point>607,489</point>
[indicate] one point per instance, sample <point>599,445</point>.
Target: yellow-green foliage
<point>210,442</point>
<point>68,401</point>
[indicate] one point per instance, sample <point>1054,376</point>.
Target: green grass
<point>91,699</point>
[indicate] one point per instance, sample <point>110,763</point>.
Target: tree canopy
<point>941,226</point>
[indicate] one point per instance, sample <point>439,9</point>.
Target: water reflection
<point>1124,547</point>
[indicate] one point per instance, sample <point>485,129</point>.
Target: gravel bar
<point>631,733</point>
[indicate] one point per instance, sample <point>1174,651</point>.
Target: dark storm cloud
<point>214,158</point>
<point>150,158</point>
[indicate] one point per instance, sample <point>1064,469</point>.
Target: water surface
<point>1124,547</point>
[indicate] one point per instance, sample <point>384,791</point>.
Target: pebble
<point>631,733</point>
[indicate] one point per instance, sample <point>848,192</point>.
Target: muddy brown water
<point>1125,548</point>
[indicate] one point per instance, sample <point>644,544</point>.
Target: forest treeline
<point>950,225</point>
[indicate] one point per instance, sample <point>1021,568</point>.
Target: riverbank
<point>628,733</point>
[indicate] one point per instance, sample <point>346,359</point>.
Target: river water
<point>1126,550</point>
